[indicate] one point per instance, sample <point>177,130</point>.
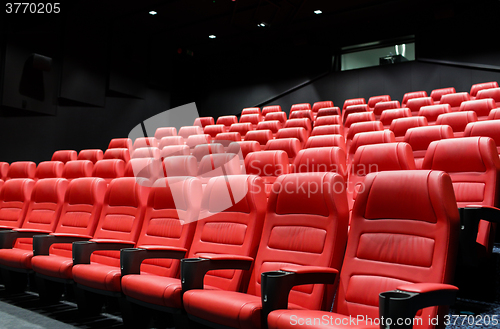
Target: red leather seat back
<point>22,169</point>
<point>47,198</point>
<point>300,107</point>
<point>187,131</point>
<point>185,165</point>
<point>4,170</point>
<point>165,132</point>
<point>15,195</point>
<point>121,216</point>
<point>401,125</point>
<point>328,111</point>
<point>194,140</point>
<point>49,169</point>
<point>146,152</point>
<point>213,130</point>
<point>359,127</point>
<point>280,116</point>
<point>291,146</point>
<point>170,140</point>
<point>203,121</point>
<point>413,94</point>
<point>77,169</point>
<point>109,169</point>
<point>148,168</point>
<point>304,226</point>
<point>172,211</point>
<point>174,150</point>
<point>359,117</point>
<point>117,153</point>
<point>353,109</point>
<point>218,165</point>
<point>231,219</point>
<point>120,143</point>
<point>353,101</point>
<point>389,115</point>
<point>480,86</point>
<point>420,138</point>
<point>490,128</point>
<point>260,136</point>
<point>270,109</point>
<point>433,111</point>
<point>414,104</point>
<point>203,149</point>
<point>308,114</point>
<point>328,120</point>
<point>273,125</point>
<point>482,107</point>
<point>81,210</point>
<point>227,120</point>
<point>296,132</point>
<point>251,110</point>
<point>322,159</point>
<point>91,155</point>
<point>455,100</point>
<point>326,141</point>
<point>145,142</point>
<point>241,128</point>
<point>243,148</point>
<point>493,93</point>
<point>254,119</point>
<point>64,156</point>
<point>382,106</point>
<point>494,114</point>
<point>328,130</point>
<point>321,105</point>
<point>457,121</point>
<point>398,235</point>
<point>436,94</point>
<point>268,165</point>
<point>226,138</point>
<point>372,101</point>
<point>371,137</point>
<point>296,123</point>
<point>473,164</point>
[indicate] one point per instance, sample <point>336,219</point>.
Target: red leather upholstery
<point>173,150</point>
<point>260,136</point>
<point>79,215</point>
<point>353,109</point>
<point>328,130</point>
<point>91,155</point>
<point>187,131</point>
<point>320,105</point>
<point>213,130</point>
<point>203,121</point>
<point>77,169</point>
<point>326,141</point>
<point>226,138</point>
<point>109,169</point>
<point>489,128</point>
<point>185,165</point>
<point>145,142</point>
<point>322,159</point>
<point>279,116</point>
<point>251,110</point>
<point>366,126</point>
<point>270,109</point>
<point>218,165</point>
<point>120,143</point>
<point>146,152</point>
<point>433,111</point>
<point>389,115</point>
<point>203,149</point>
<point>227,120</point>
<point>358,117</point>
<point>4,169</point>
<point>473,164</point>
<point>382,106</point>
<point>415,104</point>
<point>413,94</point>
<point>328,120</point>
<point>121,219</point>
<point>296,132</point>
<point>302,122</point>
<point>493,93</point>
<point>455,100</point>
<point>397,236</point>
<point>165,132</point>
<point>480,86</point>
<point>64,156</point>
<point>171,140</point>
<point>268,165</point>
<point>401,125</point>
<point>300,107</point>
<point>494,114</point>
<point>308,114</point>
<point>22,169</point>
<point>233,230</point>
<point>273,125</point>
<point>49,169</point>
<point>117,153</point>
<point>254,119</point>
<point>194,140</point>
<point>241,128</point>
<point>371,137</point>
<point>303,227</point>
<point>353,101</point>
<point>47,198</point>
<point>148,168</point>
<point>457,121</point>
<point>372,101</point>
<point>328,111</point>
<point>15,195</point>
<point>482,107</point>
<point>291,146</point>
<point>436,94</point>
<point>243,148</point>
<point>420,138</point>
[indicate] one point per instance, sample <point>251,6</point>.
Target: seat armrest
<point>406,300</point>
<point>42,243</point>
<point>82,250</point>
<point>132,258</point>
<point>276,285</point>
<point>193,270</point>
<point>9,237</point>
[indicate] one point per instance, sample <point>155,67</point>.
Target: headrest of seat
<point>171,140</point>
<point>335,110</point>
<point>484,85</point>
<point>261,136</point>
<point>306,193</point>
<point>320,105</point>
<point>280,116</point>
<point>226,138</point>
<point>431,112</point>
<point>145,142</point>
<point>146,152</point>
<point>489,93</point>
<point>290,145</point>
<point>227,120</point>
<point>457,120</point>
<point>242,127</point>
<point>49,169</point>
<point>387,105</point>
<point>120,143</point>
<point>358,117</point>
<point>273,125</point>
<point>400,125</point>
<point>64,156</point>
<point>297,132</point>
<point>371,137</point>
<point>328,130</point>
<point>326,141</point>
<point>149,168</point>
<point>181,165</point>
<point>413,94</point>
<point>321,159</point>
<point>251,110</point>
<point>173,150</point>
<point>165,132</point>
<point>77,169</point>
<point>467,154</point>
<point>419,102</point>
<point>219,164</point>
<point>382,157</point>
<point>267,163</point>
<point>328,120</point>
<point>203,149</point>
<point>270,109</point>
<point>364,126</point>
<point>22,169</point>
<point>87,190</point>
<point>301,114</point>
<point>455,99</point>
<point>50,190</point>
<point>118,153</point>
<point>372,101</point>
<point>389,115</point>
<point>213,130</point>
<point>187,131</point>
<point>489,128</point>
<point>203,121</point>
<point>353,101</point>
<point>181,193</point>
<point>109,168</point>
<point>436,94</point>
<point>419,138</point>
<point>4,170</point>
<point>300,106</point>
<point>125,192</point>
<point>91,155</point>
<point>482,107</point>
<point>300,122</point>
<point>243,148</point>
<point>251,118</point>
<point>386,195</point>
<point>17,189</point>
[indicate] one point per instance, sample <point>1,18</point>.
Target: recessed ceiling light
<point>152,12</point>
<point>212,36</point>
<point>317,12</point>
<point>261,25</point>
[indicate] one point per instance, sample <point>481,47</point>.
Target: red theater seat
<point>49,169</point>
<point>484,128</point>
<point>213,130</point>
<point>145,142</point>
<point>433,111</point>
<point>148,168</point>
<point>389,115</point>
<point>415,104</point>
<point>120,143</point>
<point>174,150</point>
<point>203,121</point>
<point>221,164</point>
<point>291,146</point>
<point>295,132</point>
<point>436,94</point>
<point>493,93</point>
<point>241,128</point>
<point>15,195</point>
<point>4,169</point>
<point>328,120</point>
<point>226,138</point>
<point>457,121</point>
<point>183,165</point>
<point>321,159</point>
<point>146,152</point>
<point>328,111</point>
<point>268,165</point>
<point>260,136</point>
<point>22,169</point>
<point>253,119</point>
<point>328,130</point>
<point>308,114</point>
<point>358,117</point>
<point>172,140</point>
<point>187,131</point>
<point>194,140</point>
<point>117,154</point>
<point>300,107</point>
<point>360,127</point>
<point>482,107</point>
<point>320,105</point>
<point>270,109</point>
<point>353,101</point>
<point>165,132</point>
<point>353,109</point>
<point>382,106</point>
<point>204,149</point>
<point>273,125</point>
<point>77,169</point>
<point>367,138</point>
<point>494,114</point>
<point>302,122</point>
<point>64,156</point>
<point>474,89</point>
<point>420,138</point>
<point>243,148</point>
<point>251,110</point>
<point>227,120</point>
<point>305,230</point>
<point>413,94</point>
<point>455,100</point>
<point>390,222</point>
<point>280,116</point>
<point>109,169</point>
<point>372,101</point>
<point>326,141</point>
<point>401,125</point>
<point>91,155</point>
